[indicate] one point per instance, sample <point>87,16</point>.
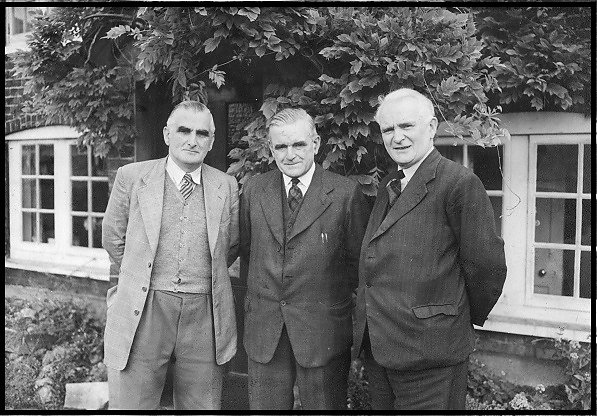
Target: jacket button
<point>283,303</point>
<point>149,265</point>
<point>136,312</point>
<point>368,284</point>
<point>144,289</point>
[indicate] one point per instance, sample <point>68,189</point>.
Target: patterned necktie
<point>294,195</point>
<point>187,186</point>
<point>395,187</point>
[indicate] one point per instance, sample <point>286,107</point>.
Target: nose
<point>290,153</point>
<point>193,139</point>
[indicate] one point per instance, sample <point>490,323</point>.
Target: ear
<point>316,143</point>
<point>166,133</point>
<point>433,123</point>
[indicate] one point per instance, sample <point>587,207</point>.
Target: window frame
<point>93,262</point>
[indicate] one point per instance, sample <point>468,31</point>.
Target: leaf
<point>211,44</point>
<point>356,66</point>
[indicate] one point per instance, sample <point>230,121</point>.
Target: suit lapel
<point>151,201</point>
<point>415,191</point>
<point>271,202</point>
<point>314,204</point>
<point>214,203</point>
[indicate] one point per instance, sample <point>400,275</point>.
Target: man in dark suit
<point>301,232</point>
<point>431,265</point>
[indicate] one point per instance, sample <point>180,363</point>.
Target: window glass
<point>97,232</point>
<point>555,220</point>
<point>587,172</point>
<point>80,236</point>
<point>557,168</point>
<point>585,234</point>
<point>78,161</point>
<point>29,193</point>
<point>47,228</point>
<point>98,167</point>
<point>554,272</point>
<point>46,160</point>
<point>79,196</point>
<point>46,188</point>
<point>100,193</point>
<point>30,226</point>
<point>496,202</point>
<point>586,280</point>
<point>28,160</point>
<point>485,162</point>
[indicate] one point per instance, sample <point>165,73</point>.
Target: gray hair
<point>195,106</point>
<point>406,93</point>
<point>290,116</point>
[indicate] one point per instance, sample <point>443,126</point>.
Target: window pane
<point>29,193</point>
<point>100,193</point>
<point>47,228</point>
<point>496,202</point>
<point>30,226</point>
<point>97,232</point>
<point>557,168</point>
<point>586,280</point>
<point>486,162</point>
<point>80,237</point>
<point>453,153</point>
<point>78,161</point>
<point>47,193</point>
<point>46,159</point>
<point>554,271</point>
<point>98,166</point>
<point>587,178</point>
<point>28,160</point>
<point>79,196</point>
<point>555,220</point>
<point>585,236</point>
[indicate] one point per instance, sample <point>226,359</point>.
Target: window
<point>542,200</point>
<point>560,223</point>
<point>58,196</point>
<point>89,190</point>
<point>485,162</point>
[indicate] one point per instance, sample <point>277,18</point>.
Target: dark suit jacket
<point>432,268</point>
<point>309,285</point>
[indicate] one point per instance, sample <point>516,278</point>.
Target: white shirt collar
<point>304,181</point>
<point>176,173</point>
<point>410,171</point>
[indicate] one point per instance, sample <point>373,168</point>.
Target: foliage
<point>358,389</point>
<point>349,57</point>
<point>68,84</point>
<point>546,56</point>
<point>577,359</point>
<point>74,345</point>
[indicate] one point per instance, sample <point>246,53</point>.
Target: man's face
<point>293,148</point>
<point>189,138</point>
<point>407,130</point>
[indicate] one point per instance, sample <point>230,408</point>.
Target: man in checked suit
<point>431,266</point>
<point>301,232</point>
<point>171,229</point>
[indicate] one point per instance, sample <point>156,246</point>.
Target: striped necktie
<point>187,186</point>
<point>395,187</point>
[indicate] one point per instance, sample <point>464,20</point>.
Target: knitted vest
<point>183,260</point>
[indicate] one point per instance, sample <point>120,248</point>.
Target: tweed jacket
<point>430,269</point>
<point>130,232</point>
<point>307,281</point>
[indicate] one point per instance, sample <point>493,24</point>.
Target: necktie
<point>294,195</point>
<point>395,188</point>
<point>187,185</point>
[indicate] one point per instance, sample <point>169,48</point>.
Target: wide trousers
<point>175,329</point>
<point>320,388</point>
<point>442,388</point>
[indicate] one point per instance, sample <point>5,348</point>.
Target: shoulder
<point>260,179</point>
<point>138,169</point>
<point>219,176</point>
<point>337,181</point>
<point>454,172</point>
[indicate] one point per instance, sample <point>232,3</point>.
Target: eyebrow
<point>295,144</point>
<point>200,132</point>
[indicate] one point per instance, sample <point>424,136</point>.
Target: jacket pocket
<point>428,311</point>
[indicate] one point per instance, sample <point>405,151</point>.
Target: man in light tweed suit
<point>171,230</point>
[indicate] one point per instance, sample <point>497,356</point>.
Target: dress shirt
<point>304,181</point>
<point>176,173</point>
<point>410,171</point>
